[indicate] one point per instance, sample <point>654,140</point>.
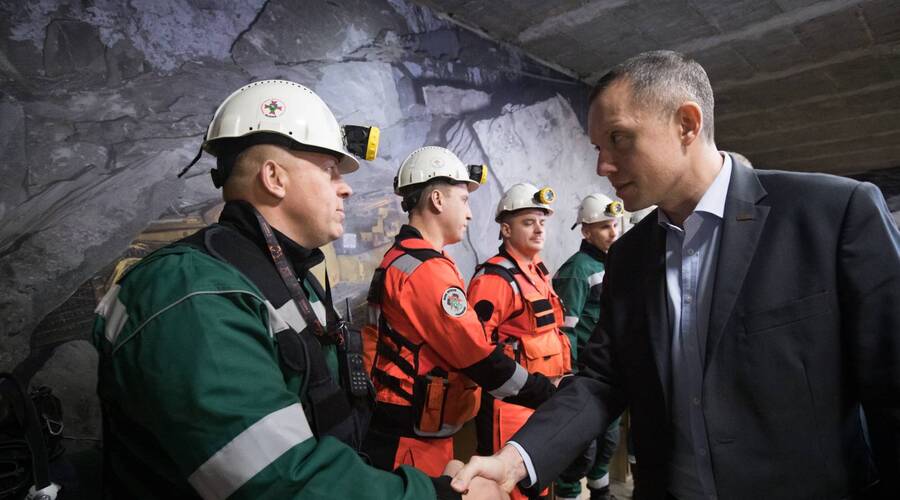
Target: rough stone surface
<point>445,100</point>
<point>104,102</point>
<point>543,144</point>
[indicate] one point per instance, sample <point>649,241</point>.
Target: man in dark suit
<point>748,320</point>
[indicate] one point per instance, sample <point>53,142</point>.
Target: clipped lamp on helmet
<point>598,207</point>
<point>433,163</point>
<point>524,195</point>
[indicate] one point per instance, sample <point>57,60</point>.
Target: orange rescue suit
<point>520,311</point>
<point>421,333</point>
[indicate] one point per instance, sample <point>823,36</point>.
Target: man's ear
<point>690,122</point>
<point>272,178</point>
<point>436,196</point>
<point>584,231</point>
<point>505,230</point>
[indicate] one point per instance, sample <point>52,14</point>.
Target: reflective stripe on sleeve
<point>280,319</point>
<point>596,278</point>
<point>512,386</point>
<point>570,321</point>
<point>250,452</point>
<point>406,263</point>
<point>114,312</point>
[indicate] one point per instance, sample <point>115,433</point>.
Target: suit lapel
<point>656,309</point>
<point>742,225</point>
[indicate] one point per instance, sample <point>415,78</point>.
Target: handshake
<point>487,477</point>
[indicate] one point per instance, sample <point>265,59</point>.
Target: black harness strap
<point>392,383</point>
<point>376,292</point>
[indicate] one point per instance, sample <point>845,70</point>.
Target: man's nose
<point>604,164</point>
<point>343,189</point>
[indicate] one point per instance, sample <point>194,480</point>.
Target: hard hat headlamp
<point>545,196</point>
<point>478,173</point>
<point>615,209</point>
<point>362,141</point>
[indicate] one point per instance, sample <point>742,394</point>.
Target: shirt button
<point>696,401</point>
<point>687,299</point>
<point>701,452</point>
<point>690,251</point>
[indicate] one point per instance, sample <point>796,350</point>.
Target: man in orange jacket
<point>426,349</point>
<point>521,313</point>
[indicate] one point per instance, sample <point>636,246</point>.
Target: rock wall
<point>103,102</point>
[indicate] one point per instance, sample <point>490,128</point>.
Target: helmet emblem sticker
<point>273,108</point>
<point>454,302</point>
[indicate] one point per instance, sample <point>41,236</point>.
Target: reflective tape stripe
<point>512,386</point>
<point>406,263</point>
<point>596,484</point>
<point>113,311</point>
<point>278,318</point>
<point>504,262</point>
<point>596,279</point>
<point>290,313</point>
<point>570,321</point>
<point>250,452</point>
<point>319,308</point>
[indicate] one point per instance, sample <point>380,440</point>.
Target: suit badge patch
<point>454,302</point>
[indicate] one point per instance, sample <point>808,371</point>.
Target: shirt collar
<point>713,200</point>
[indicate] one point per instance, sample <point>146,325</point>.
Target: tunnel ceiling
<point>799,84</point>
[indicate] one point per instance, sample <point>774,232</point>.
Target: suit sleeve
<point>869,294</point>
<point>580,411</point>
<point>461,340</point>
<point>203,378</point>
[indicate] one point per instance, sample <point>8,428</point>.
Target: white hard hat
<point>286,114</point>
<point>524,195</point>
<point>433,162</point>
<point>598,207</point>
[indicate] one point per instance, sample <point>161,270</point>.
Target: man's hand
<point>506,468</point>
<point>479,488</point>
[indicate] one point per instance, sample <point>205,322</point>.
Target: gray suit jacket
<point>804,328</point>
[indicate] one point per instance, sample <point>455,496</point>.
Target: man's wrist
<point>515,464</point>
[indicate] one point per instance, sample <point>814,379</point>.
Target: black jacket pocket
<point>789,312</point>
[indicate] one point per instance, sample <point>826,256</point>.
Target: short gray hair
<point>663,80</point>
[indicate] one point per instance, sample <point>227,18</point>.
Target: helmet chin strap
<point>194,161</point>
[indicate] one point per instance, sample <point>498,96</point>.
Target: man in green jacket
<point>225,372</point>
<point>578,283</point>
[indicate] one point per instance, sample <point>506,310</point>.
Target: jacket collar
<point>593,251</point>
<point>535,266</point>
<point>239,216</point>
<point>407,232</point>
